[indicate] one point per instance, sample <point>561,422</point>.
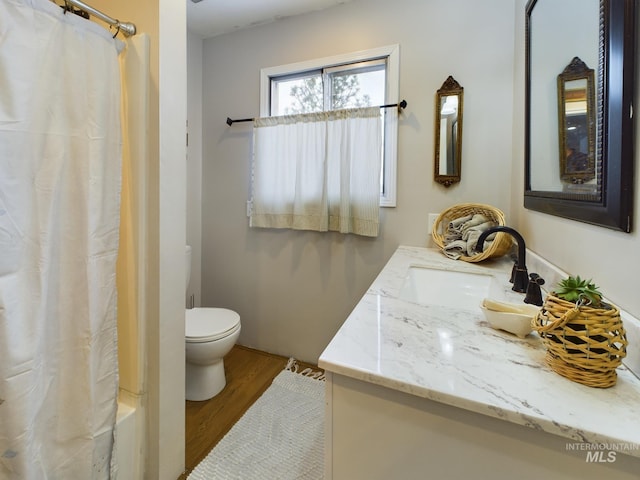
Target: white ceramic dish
<point>510,317</point>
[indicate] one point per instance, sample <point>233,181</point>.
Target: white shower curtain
<point>60,145</point>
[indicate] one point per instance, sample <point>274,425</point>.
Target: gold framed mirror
<point>577,127</point>
<point>448,133</point>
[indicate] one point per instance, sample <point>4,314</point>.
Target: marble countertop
<point>454,357</point>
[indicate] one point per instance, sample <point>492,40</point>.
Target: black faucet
<point>519,274</point>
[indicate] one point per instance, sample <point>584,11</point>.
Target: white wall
<point>168,363</point>
<point>294,289</point>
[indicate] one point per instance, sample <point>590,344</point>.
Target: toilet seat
<point>210,324</point>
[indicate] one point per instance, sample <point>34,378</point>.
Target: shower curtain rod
<point>401,105</point>
<point>126,28</point>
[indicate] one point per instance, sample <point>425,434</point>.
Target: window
<point>366,78</point>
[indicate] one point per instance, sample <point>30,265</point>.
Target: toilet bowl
<point>210,333</point>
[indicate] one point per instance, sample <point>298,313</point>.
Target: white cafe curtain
<point>318,171</point>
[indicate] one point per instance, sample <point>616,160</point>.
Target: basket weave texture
<point>500,245</point>
<point>584,344</point>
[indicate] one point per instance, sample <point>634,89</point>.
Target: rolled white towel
<point>462,235</point>
<point>478,219</point>
<point>456,225</point>
<point>472,241</point>
<point>478,228</point>
<point>455,249</point>
<point>451,237</point>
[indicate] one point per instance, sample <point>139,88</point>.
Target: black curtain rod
<point>402,105</point>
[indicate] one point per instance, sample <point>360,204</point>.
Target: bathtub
<point>126,458</point>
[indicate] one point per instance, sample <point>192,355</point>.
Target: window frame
<point>392,54</point>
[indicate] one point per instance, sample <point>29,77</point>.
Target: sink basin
<point>446,288</point>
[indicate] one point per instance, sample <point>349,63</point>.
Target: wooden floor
<point>249,373</point>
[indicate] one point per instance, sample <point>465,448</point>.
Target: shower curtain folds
<point>60,167</point>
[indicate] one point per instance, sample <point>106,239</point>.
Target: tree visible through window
<point>307,95</point>
<point>346,92</point>
<point>355,85</point>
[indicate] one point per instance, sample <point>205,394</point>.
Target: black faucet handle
<point>534,294</point>
<point>537,279</point>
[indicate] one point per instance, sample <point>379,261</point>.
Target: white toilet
<point>210,334</point>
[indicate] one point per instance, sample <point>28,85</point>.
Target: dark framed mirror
<point>601,35</point>
<point>448,133</point>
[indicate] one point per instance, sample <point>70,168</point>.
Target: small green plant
<point>574,289</point>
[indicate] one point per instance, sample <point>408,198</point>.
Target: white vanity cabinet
<point>374,432</point>
<point>415,392</point>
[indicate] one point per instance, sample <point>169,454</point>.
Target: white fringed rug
<point>280,437</point>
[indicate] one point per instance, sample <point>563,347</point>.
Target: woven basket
<point>584,344</point>
<point>500,245</point>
